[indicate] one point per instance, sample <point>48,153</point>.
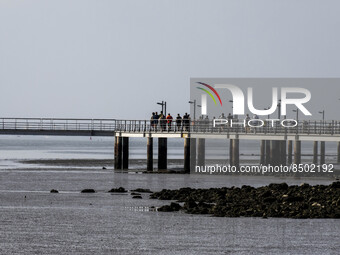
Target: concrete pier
<point>187,155</point>
<point>297,152</point>
<point>267,159</point>
<point>125,152</point>
<point>263,152</point>
<point>118,152</point>
<point>162,153</point>
<point>149,154</point>
<point>193,153</point>
<point>283,153</point>
<point>338,152</point>
<point>322,153</point>
<point>315,152</point>
<point>201,152</point>
<point>290,152</point>
<point>235,152</point>
<point>231,151</point>
<point>274,153</point>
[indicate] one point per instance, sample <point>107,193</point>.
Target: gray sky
<point>115,59</point>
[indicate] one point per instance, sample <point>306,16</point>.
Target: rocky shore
<point>274,200</point>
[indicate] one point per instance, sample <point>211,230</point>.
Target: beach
<point>37,221</point>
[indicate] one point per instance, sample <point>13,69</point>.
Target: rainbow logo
<point>209,93</point>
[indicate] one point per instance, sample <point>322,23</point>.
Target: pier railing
<point>57,124</point>
<point>162,126</point>
<point>207,126</point>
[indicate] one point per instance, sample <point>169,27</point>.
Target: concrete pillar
<point>201,152</point>
<point>162,153</point>
<point>267,159</point>
<point>149,154</point>
<point>283,152</point>
<point>315,152</point>
<point>263,152</point>
<point>118,152</point>
<point>297,152</point>
<point>231,151</point>
<point>322,153</point>
<point>274,154</point>
<point>192,153</point>
<point>125,152</point>
<point>235,153</point>
<point>187,155</point>
<point>338,152</point>
<point>290,152</point>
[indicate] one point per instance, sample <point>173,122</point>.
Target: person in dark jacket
<point>178,122</point>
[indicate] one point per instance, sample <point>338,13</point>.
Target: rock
<point>278,186</point>
<point>335,185</point>
<point>269,200</point>
<point>142,190</point>
<point>304,185</point>
<point>138,197</point>
<point>274,200</point>
<point>104,168</point>
<point>119,190</point>
<point>173,207</point>
<point>54,191</point>
<point>267,193</point>
<point>88,191</point>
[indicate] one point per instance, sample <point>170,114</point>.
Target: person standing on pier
<point>162,121</point>
<point>186,122</point>
<point>169,119</point>
<point>155,117</point>
<point>152,121</point>
<point>178,122</point>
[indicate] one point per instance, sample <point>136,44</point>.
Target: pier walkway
<point>276,141</point>
<point>305,131</point>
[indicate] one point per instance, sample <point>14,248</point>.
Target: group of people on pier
<point>165,123</point>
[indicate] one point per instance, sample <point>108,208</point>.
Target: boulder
<point>137,197</point>
<point>119,190</point>
<point>88,191</point>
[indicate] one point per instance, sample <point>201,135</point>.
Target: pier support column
<point>338,152</point>
<point>283,152</point>
<point>263,152</point>
<point>125,152</point>
<point>201,152</point>
<point>149,154</point>
<point>297,152</point>
<point>192,153</point>
<point>187,155</point>
<point>231,151</point>
<point>118,152</point>
<point>162,153</point>
<point>267,159</point>
<point>315,152</point>
<point>322,153</point>
<point>290,152</point>
<point>274,152</point>
<point>235,153</point>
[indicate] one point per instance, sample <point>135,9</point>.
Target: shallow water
<point>101,223</point>
<point>34,221</point>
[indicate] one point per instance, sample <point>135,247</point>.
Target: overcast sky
<point>116,59</point>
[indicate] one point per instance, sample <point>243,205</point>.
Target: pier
<point>277,145</point>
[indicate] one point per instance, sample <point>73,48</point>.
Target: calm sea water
<point>34,221</point>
